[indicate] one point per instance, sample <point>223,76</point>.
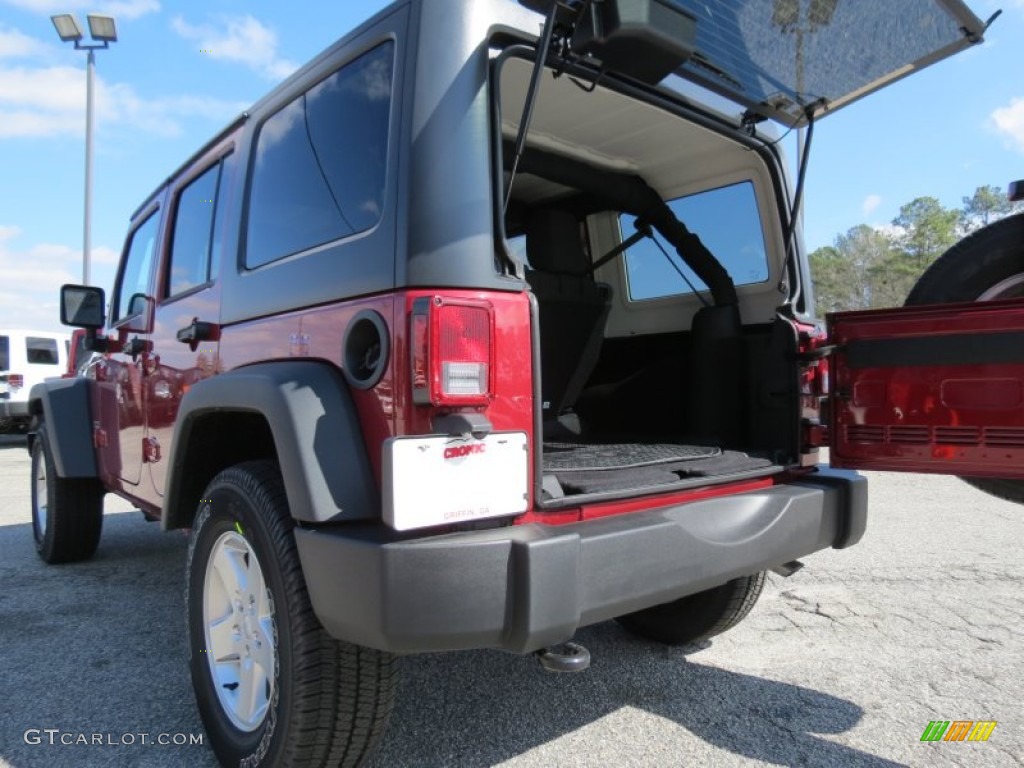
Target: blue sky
<point>180,72</point>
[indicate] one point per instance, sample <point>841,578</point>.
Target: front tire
<point>67,514</point>
<point>987,264</point>
<point>272,687</point>
<point>697,617</point>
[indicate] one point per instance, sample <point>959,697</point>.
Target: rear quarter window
<point>5,353</point>
<point>321,162</point>
<point>41,351</point>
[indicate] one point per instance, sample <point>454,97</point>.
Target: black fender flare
<point>66,407</point>
<point>315,429</point>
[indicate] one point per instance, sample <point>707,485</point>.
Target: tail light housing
<point>15,380</point>
<point>452,343</point>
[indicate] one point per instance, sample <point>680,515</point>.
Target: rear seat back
<point>573,307</point>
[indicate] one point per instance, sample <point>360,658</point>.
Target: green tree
<point>927,230</point>
<point>847,274</point>
<point>832,275</point>
<point>986,205</point>
<point>891,280</point>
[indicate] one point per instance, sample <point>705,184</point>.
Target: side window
<point>138,265</point>
<point>227,165</point>
<point>193,229</point>
<point>5,353</point>
<point>320,162</point>
<point>728,223</point>
<point>41,351</point>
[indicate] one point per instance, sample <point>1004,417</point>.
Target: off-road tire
<point>331,700</point>
<point>66,525</point>
<point>697,617</point>
<point>972,267</point>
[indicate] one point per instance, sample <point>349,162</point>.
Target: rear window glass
<point>320,162</point>
<point>41,351</point>
<point>517,247</point>
<point>786,53</point>
<point>727,221</point>
<point>5,353</point>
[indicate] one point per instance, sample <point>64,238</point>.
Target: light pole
<point>103,31</point>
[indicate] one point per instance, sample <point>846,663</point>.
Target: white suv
<point>26,358</point>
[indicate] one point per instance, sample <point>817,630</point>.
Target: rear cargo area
<point>644,421</point>
<point>664,363</point>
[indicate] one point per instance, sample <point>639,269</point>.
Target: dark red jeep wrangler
<point>493,322</point>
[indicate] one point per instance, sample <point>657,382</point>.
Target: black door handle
<point>198,331</point>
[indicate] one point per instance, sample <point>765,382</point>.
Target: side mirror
<point>81,306</point>
<point>140,314</point>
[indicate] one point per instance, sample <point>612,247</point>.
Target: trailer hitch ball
<point>565,657</point>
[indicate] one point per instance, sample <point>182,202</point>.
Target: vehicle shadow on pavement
<point>481,708</point>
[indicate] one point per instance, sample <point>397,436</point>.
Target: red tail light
<point>451,352</point>
<point>15,380</point>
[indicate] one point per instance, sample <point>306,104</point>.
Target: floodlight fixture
<point>102,28</point>
<point>67,27</point>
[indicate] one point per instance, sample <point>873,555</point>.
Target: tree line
<point>870,267</point>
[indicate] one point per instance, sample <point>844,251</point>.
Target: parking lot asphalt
<point>843,664</point>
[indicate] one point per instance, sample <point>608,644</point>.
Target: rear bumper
<point>522,588</point>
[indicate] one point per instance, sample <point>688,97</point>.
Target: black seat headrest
<point>553,243</point>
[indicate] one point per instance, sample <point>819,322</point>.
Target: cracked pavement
<point>842,664</point>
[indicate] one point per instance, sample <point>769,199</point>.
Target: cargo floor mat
<point>602,468</point>
<point>595,457</point>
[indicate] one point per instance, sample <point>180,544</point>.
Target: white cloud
<point>105,255</point>
<point>242,39</point>
<point>1009,121</point>
<point>50,101</point>
<point>32,279</point>
<point>119,9</point>
<point>15,44</point>
<point>871,202</point>
<point>890,230</point>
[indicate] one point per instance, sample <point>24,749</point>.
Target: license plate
<point>445,480</point>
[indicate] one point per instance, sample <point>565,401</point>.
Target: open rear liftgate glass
<point>930,389</point>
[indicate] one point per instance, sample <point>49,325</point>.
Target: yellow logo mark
<point>982,730</point>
